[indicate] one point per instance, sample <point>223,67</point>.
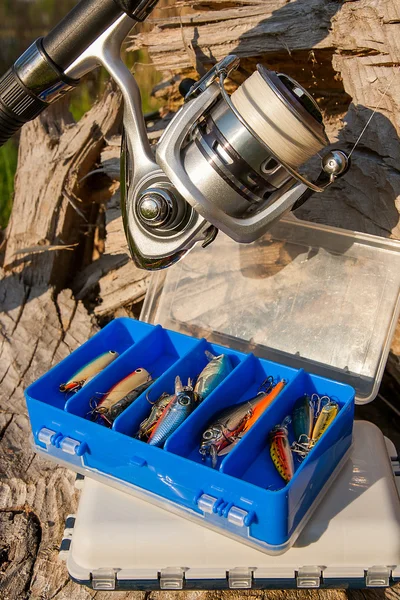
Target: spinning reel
<point>224,162</point>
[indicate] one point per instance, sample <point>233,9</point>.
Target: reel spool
<point>251,145</point>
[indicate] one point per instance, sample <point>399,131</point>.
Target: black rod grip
<point>81,26</point>
<point>17,105</point>
<point>8,126</point>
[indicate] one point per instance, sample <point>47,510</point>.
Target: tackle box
<point>116,541</point>
<point>314,305</point>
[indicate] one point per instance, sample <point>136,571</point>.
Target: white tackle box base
<point>117,541</point>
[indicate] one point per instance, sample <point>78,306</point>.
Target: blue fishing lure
<point>178,409</point>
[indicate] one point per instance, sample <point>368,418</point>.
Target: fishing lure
<point>177,410</point>
<point>212,375</point>
<point>280,451</point>
<point>147,426</point>
<point>119,391</point>
<point>328,413</point>
<point>303,418</point>
<point>83,375</point>
<point>109,415</point>
<point>233,422</point>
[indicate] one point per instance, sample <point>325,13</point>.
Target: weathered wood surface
<point>338,46</point>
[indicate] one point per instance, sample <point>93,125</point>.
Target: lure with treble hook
<point>148,424</point>
<point>212,375</point>
<point>310,418</point>
<point>232,423</point>
<point>118,392</point>
<point>280,451</point>
<point>177,410</point>
<point>303,418</point>
<point>328,413</point>
<point>88,371</point>
<point>118,408</point>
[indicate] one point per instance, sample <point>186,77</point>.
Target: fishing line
<point>267,114</point>
<point>383,95</point>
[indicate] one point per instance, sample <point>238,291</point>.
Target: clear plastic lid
<point>307,295</point>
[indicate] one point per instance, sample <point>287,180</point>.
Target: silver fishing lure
<point>212,375</point>
<point>177,410</point>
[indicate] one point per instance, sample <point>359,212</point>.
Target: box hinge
<point>66,538</point>
<point>240,578</point>
<point>172,578</point>
<point>220,508</point>
<point>46,435</point>
<point>308,577</point>
<point>237,516</point>
<point>104,579</point>
<point>378,576</point>
<point>206,503</point>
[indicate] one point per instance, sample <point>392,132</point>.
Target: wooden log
<point>39,327</point>
<point>51,206</point>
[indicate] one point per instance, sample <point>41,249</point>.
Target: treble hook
<point>270,381</point>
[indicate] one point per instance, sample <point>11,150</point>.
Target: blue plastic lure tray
<point>244,497</point>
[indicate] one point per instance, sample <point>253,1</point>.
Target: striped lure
<point>147,426</point>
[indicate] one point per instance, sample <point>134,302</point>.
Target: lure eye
<point>112,352</point>
<point>208,435</point>
<point>138,370</point>
<point>184,401</point>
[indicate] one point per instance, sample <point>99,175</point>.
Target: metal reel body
<point>211,170</point>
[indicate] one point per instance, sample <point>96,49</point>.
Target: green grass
<point>8,166</point>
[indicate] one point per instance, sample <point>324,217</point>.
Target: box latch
<point>206,503</point>
<point>240,578</point>
<point>308,577</point>
<point>172,578</point>
<point>104,579</point>
<point>378,576</point>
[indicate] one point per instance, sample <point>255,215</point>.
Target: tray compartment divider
<point>190,365</point>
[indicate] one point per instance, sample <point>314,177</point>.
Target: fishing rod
<point>229,163</point>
